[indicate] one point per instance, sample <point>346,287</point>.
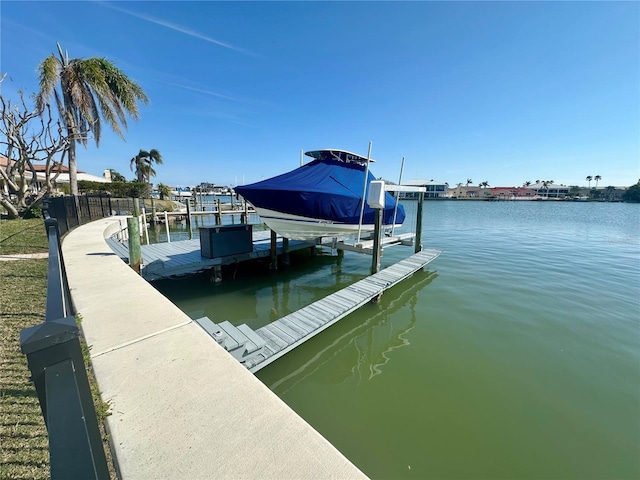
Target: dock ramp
<point>257,349</point>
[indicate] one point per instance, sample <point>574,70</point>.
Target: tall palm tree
<point>596,178</point>
<point>589,178</point>
<point>469,181</point>
<point>526,184</point>
<point>86,90</point>
<point>142,164</point>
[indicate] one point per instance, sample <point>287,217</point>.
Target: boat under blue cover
<point>328,189</point>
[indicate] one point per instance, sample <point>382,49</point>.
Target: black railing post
<point>55,359</point>
<point>57,368</point>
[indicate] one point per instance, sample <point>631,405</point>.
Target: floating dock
<point>257,349</point>
<point>167,260</point>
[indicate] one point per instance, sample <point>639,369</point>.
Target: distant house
<point>460,191</point>
<point>434,189</point>
<point>551,191</point>
<point>40,171</point>
<point>512,193</point>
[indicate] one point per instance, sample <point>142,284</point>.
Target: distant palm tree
<point>88,89</point>
<point>545,185</point>
<point>116,176</point>
<point>596,178</point>
<point>142,164</point>
<point>526,184</point>
<point>589,178</point>
<point>469,181</point>
<point>163,190</point>
<point>484,184</point>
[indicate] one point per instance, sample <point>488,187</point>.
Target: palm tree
<point>549,183</point>
<point>596,178</point>
<point>469,181</point>
<point>545,185</point>
<point>589,178</point>
<point>88,90</point>
<point>526,184</point>
<point>143,163</point>
<point>163,190</point>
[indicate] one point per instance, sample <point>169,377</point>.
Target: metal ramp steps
<point>241,341</point>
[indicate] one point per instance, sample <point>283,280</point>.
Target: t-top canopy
<point>339,155</point>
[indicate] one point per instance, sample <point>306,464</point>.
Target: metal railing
<point>72,211</point>
<point>54,355</point>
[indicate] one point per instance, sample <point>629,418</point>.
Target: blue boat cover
<point>326,189</point>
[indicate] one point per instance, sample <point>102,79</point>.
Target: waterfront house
<point>434,189</point>
<point>551,191</point>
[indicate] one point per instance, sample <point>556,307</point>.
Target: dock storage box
<point>223,240</point>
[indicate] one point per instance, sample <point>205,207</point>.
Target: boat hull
<point>297,227</point>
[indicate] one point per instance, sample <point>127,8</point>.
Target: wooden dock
<point>167,260</point>
<point>257,349</point>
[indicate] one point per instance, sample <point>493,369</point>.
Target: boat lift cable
<point>395,210</point>
<point>364,192</point>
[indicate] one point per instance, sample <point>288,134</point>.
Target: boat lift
<point>375,245</point>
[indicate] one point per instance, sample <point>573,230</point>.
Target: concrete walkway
<point>182,407</point>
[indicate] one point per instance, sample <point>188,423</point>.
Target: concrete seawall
<point>181,406</point>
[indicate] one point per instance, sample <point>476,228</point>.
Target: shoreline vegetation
<point>25,446</point>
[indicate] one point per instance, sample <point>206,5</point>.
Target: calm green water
<point>516,355</point>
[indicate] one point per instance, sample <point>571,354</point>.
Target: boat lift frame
<point>375,245</point>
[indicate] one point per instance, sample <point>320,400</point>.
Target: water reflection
<point>362,351</point>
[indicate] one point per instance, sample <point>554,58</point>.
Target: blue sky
<point>502,92</point>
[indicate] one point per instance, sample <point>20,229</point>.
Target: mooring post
<point>377,232</point>
<point>136,207</point>
<point>189,212</point>
<point>218,214</point>
<point>166,226</point>
<point>419,223</point>
<point>135,256</point>
<point>274,252</point>
<point>285,252</point>
<point>153,211</point>
<point>244,218</point>
<point>216,276</point>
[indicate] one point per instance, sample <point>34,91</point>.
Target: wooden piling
<point>285,252</point>
<point>135,255</point>
<point>153,211</point>
<point>419,223</point>
<point>377,232</point>
<point>273,251</point>
<point>218,214</point>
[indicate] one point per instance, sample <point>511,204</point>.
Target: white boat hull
<point>297,227</point>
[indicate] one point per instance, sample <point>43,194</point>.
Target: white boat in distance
<point>322,198</point>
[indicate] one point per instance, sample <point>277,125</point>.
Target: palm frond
<point>49,75</point>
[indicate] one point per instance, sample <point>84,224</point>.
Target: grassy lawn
<point>24,448</point>
<point>24,445</point>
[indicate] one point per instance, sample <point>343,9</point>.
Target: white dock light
<point>375,198</point>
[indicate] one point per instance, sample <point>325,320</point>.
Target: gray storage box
<point>223,240</point>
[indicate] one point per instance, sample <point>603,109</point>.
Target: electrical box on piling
<point>375,198</point>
